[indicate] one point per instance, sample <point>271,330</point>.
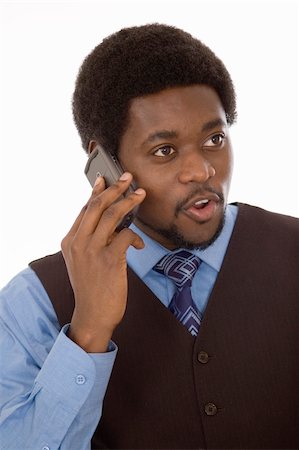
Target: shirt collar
<point>142,261</point>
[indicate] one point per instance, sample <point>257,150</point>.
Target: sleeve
<point>51,390</point>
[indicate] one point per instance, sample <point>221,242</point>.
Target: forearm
<point>64,405</point>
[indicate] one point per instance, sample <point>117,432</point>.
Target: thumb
<point>124,239</point>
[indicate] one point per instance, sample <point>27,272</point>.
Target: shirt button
<point>80,379</point>
<point>46,447</point>
<point>211,409</point>
<point>203,357</point>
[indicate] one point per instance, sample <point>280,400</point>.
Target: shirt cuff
<point>72,374</point>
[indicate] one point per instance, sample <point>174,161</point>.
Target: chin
<point>176,239</point>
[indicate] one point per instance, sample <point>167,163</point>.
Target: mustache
<point>201,191</point>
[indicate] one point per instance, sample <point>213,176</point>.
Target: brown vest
<point>236,386</point>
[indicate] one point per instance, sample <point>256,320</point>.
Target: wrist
<point>90,340</point>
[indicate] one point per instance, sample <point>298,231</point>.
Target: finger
<point>98,187</point>
<point>123,240</point>
<point>113,215</point>
<point>99,202</point>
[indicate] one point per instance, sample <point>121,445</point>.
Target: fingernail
<point>139,191</point>
<point>99,180</point>
<point>125,176</point>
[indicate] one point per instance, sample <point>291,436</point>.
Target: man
<point>194,307</point>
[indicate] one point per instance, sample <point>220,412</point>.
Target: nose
<point>195,167</point>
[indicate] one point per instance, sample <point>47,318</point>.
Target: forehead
<point>174,108</point>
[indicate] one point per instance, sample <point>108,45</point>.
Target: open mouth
<point>201,204</point>
<point>203,209</point>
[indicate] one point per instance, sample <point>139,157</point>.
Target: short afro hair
<point>137,61</point>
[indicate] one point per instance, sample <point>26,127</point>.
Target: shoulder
<point>22,289</point>
<point>26,311</point>
<point>258,231</point>
<point>52,273</point>
<point>270,221</point>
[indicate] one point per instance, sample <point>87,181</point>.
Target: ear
<point>91,146</point>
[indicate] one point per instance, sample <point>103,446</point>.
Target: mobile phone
<point>103,163</point>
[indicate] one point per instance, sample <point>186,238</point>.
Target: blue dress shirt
<point>51,391</point>
<point>142,262</point>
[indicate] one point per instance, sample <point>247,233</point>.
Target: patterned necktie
<point>180,267</point>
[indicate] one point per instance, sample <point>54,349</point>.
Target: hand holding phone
<point>103,163</point>
<point>95,257</point>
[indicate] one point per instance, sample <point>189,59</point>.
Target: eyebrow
<point>213,124</point>
<point>163,134</point>
<point>170,134</point>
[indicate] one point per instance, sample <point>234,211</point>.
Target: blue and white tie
<point>180,267</point>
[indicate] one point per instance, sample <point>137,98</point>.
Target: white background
<point>42,46</point>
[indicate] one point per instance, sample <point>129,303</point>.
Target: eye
<point>167,150</point>
<point>215,141</point>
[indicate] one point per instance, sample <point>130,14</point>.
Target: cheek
<point>224,168</point>
<point>229,161</point>
<point>158,202</point>
<point>152,184</point>
<point>228,171</point>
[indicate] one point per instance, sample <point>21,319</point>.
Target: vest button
<point>203,357</point>
<point>211,409</point>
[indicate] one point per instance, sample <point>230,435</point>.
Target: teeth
<point>200,202</point>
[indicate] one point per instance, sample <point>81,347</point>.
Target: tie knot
<point>180,267</point>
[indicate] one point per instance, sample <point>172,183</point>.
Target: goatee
<point>173,235</point>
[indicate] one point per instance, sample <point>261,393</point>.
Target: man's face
<point>178,149</point>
